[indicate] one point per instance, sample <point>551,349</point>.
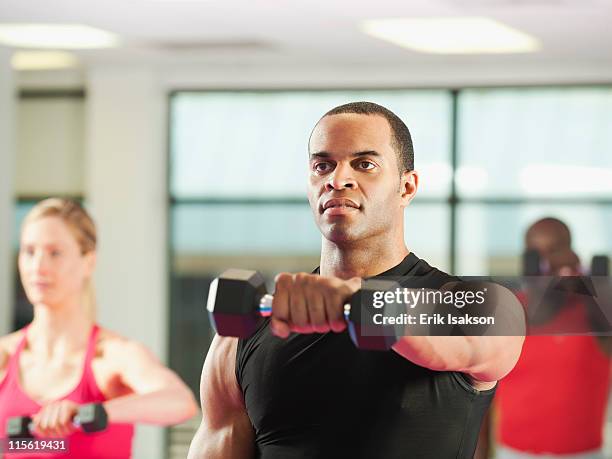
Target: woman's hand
<point>55,419</point>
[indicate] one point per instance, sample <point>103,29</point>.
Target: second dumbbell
<point>90,418</point>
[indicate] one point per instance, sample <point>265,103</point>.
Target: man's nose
<point>342,177</point>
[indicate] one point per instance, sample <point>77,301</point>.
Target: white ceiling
<point>574,33</point>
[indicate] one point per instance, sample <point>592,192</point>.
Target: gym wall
<point>170,220</point>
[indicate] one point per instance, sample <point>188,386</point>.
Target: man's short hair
<point>401,141</point>
<point>550,224</point>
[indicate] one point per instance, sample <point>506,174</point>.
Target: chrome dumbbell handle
<point>265,306</point>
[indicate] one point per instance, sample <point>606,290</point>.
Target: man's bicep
<point>226,431</point>
<point>219,390</point>
<point>233,441</point>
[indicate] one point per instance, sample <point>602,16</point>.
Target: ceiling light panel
<point>461,35</point>
<point>43,60</point>
<point>55,36</point>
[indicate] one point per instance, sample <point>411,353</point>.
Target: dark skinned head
<point>552,239</point>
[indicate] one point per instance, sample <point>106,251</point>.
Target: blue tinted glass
<point>265,229</point>
<point>535,142</point>
<point>490,237</point>
<point>287,229</point>
<point>255,143</point>
<point>21,210</point>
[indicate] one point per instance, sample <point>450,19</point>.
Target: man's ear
<point>409,182</point>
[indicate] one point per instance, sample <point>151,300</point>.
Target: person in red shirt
<point>553,403</point>
<point>63,359</point>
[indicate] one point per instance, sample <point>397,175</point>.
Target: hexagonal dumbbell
<point>600,265</point>
<point>90,418</point>
<point>238,301</point>
<point>359,314</point>
<point>532,263</point>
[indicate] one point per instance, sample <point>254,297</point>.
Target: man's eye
<point>366,165</point>
<point>322,167</point>
<point>55,253</point>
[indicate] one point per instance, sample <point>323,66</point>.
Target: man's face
<point>354,186</point>
<point>553,244</point>
<point>547,238</point>
<point>545,242</point>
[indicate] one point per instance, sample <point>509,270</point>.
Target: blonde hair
<point>82,227</point>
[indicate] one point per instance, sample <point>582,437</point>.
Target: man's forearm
<point>485,358</point>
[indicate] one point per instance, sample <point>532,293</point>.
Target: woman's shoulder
<point>114,345</point>
<point>8,345</point>
<point>108,340</point>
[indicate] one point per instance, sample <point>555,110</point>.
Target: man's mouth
<point>338,206</point>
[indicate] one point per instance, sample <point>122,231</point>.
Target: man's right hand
<point>564,262</point>
<point>309,303</point>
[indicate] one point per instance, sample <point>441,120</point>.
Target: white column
<point>126,191</point>
<point>7,198</point>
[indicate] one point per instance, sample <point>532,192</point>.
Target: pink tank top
<point>115,442</point>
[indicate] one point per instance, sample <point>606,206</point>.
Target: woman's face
<point>52,268</point>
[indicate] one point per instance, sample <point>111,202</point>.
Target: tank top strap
<point>88,389</point>
<point>89,354</point>
<point>13,365</point>
<point>91,345</point>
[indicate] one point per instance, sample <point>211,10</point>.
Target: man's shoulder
<point>424,273</point>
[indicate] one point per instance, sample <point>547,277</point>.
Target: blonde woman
<point>63,359</point>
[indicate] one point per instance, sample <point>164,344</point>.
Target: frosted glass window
<point>490,237</point>
<point>50,146</point>
<point>535,142</point>
<point>426,232</point>
<point>265,229</point>
<point>288,229</point>
<point>229,144</point>
<point>21,210</point>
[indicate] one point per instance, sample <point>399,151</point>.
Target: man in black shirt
<point>298,388</point>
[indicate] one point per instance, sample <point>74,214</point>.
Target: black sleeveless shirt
<point>318,396</point>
